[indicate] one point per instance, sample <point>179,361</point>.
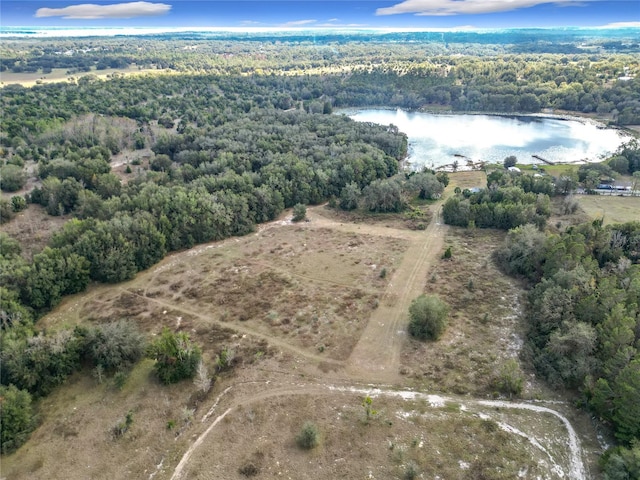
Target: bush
<point>299,212</point>
<point>349,196</point>
<point>309,437</point>
<point>6,210</point>
<point>428,317</point>
<point>12,178</point>
<point>18,203</point>
<point>39,363</point>
<point>510,380</point>
<point>176,356</point>
<point>16,418</point>
<point>114,346</point>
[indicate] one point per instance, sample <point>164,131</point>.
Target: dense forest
<point>246,130</point>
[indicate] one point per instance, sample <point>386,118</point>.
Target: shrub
<point>114,346</point>
<point>18,203</point>
<point>309,437</point>
<point>16,417</point>
<point>12,178</point>
<point>39,363</point>
<point>6,211</point>
<point>120,428</point>
<point>510,380</point>
<point>349,196</point>
<point>428,317</point>
<point>299,212</point>
<point>176,356</point>
<point>447,254</point>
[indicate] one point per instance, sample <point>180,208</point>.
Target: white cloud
<point>298,23</point>
<point>622,25</point>
<point>89,11</point>
<point>466,7</point>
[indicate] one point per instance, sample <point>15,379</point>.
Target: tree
<point>349,196</point>
<point>428,317</point>
<point>114,346</point>
<point>176,356</point>
<point>620,164</point>
<point>384,196</point>
<point>16,417</point>
<point>510,380</point>
<point>510,161</point>
<point>427,185</point>
<point>12,178</point>
<point>626,416</point>
<point>299,212</point>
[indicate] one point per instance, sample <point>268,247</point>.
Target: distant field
<point>613,209</point>
<point>29,79</point>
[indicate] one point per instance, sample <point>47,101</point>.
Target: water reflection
<point>437,140</point>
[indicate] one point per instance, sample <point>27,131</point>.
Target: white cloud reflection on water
<point>434,139</point>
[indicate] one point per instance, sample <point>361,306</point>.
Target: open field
<point>29,79</point>
<point>614,209</point>
<point>315,326</point>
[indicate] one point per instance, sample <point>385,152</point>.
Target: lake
<point>437,140</point>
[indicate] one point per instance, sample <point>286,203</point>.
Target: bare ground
<point>315,328</point>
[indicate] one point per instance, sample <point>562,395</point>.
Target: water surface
<point>437,140</point>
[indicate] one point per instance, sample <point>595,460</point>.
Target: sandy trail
<point>576,468</point>
<point>375,359</point>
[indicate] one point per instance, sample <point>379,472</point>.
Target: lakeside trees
<point>229,151</point>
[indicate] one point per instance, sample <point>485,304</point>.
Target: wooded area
<point>246,130</point>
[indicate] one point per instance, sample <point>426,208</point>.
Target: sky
<point>425,14</point>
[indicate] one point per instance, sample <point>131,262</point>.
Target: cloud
<point>89,11</point>
<point>298,23</point>
<point>622,25</point>
<point>466,7</point>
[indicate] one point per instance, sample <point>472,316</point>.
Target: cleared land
<point>613,209</point>
<point>29,79</point>
<point>314,327</point>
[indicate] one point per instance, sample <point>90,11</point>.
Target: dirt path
<point>481,408</point>
<point>376,356</point>
<point>242,329</point>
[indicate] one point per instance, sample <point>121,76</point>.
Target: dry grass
<point>484,324</point>
<point>441,442</point>
<point>613,209</point>
<point>33,228</point>
<point>29,79</point>
<point>292,301</point>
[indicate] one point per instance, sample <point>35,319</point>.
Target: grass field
<point>613,209</point>
<point>29,79</point>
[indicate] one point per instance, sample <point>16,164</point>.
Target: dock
<point>548,162</point>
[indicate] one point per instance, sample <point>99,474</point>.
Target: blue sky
<point>316,13</point>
